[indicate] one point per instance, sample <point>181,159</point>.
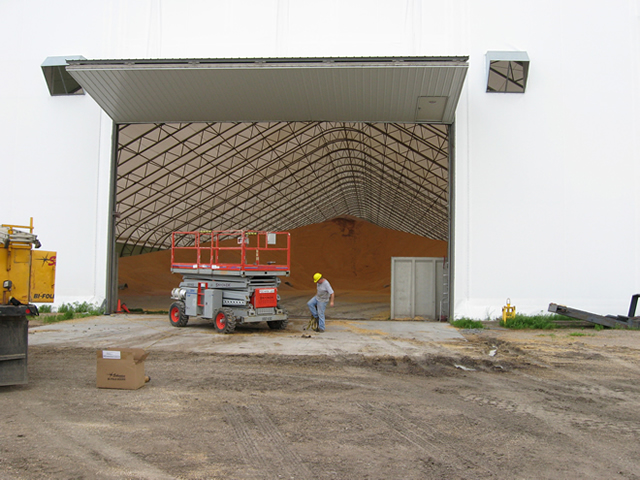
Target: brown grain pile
<point>353,254</point>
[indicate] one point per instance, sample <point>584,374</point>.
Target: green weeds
<point>68,311</point>
<point>539,322</point>
<point>534,322</point>
<point>547,322</point>
<point>467,323</point>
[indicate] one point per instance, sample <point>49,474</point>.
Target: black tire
<point>278,324</point>
<point>224,321</point>
<point>177,317</point>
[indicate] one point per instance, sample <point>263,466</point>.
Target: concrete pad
<point>342,337</point>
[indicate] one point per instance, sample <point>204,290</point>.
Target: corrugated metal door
<point>416,287</point>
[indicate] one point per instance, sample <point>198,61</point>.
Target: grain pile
<point>353,254</point>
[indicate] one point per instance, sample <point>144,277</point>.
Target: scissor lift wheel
<point>224,321</point>
<point>279,324</point>
<point>177,317</point>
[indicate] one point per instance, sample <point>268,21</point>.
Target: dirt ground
<point>544,405</point>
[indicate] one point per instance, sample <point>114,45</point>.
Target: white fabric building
<point>544,184</point>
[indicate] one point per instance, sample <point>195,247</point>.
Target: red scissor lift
<point>230,277</point>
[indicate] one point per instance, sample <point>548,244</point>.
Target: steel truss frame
<point>278,176</point>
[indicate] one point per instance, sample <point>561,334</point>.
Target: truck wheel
<point>224,321</point>
<point>278,324</point>
<point>177,317</point>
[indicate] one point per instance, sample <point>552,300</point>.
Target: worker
<point>318,304</point>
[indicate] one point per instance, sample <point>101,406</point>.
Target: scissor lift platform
<point>230,277</point>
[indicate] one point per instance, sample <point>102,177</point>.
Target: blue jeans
<point>317,308</point>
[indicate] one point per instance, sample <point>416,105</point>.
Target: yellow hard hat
<point>316,277</point>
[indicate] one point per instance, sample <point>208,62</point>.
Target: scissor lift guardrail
<point>231,252</point>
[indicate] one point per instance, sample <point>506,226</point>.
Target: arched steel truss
<point>278,176</point>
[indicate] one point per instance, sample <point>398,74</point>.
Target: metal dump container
<point>14,331</point>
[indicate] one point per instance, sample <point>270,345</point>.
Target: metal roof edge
<point>274,61</point>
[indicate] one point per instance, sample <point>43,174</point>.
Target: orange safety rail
<point>202,286</point>
<point>231,250</point>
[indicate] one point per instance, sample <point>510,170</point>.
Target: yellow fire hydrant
<point>508,311</point>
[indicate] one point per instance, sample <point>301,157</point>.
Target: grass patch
<point>467,323</point>
<point>68,311</point>
<point>533,322</point>
<point>581,334</point>
<point>45,309</point>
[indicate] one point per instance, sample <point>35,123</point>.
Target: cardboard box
<point>121,368</point>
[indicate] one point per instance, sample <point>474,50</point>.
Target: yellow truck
<point>28,274</point>
<point>28,277</point>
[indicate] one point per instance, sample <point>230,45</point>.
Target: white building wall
<point>548,198</point>
<point>547,204</point>
<point>50,146</point>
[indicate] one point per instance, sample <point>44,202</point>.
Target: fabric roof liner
<point>386,89</point>
<point>278,176</point>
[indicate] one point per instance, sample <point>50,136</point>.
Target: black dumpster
<point>14,331</point>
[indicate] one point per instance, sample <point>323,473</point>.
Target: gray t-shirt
<point>324,291</point>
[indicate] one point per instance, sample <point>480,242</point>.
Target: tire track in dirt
<point>583,428</point>
<point>249,446</point>
<point>8,476</point>
<point>580,356</point>
<point>312,380</point>
<point>428,440</point>
<point>263,446</point>
<point>291,461</point>
<point>574,389</point>
<point>589,409</point>
<point>107,460</point>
